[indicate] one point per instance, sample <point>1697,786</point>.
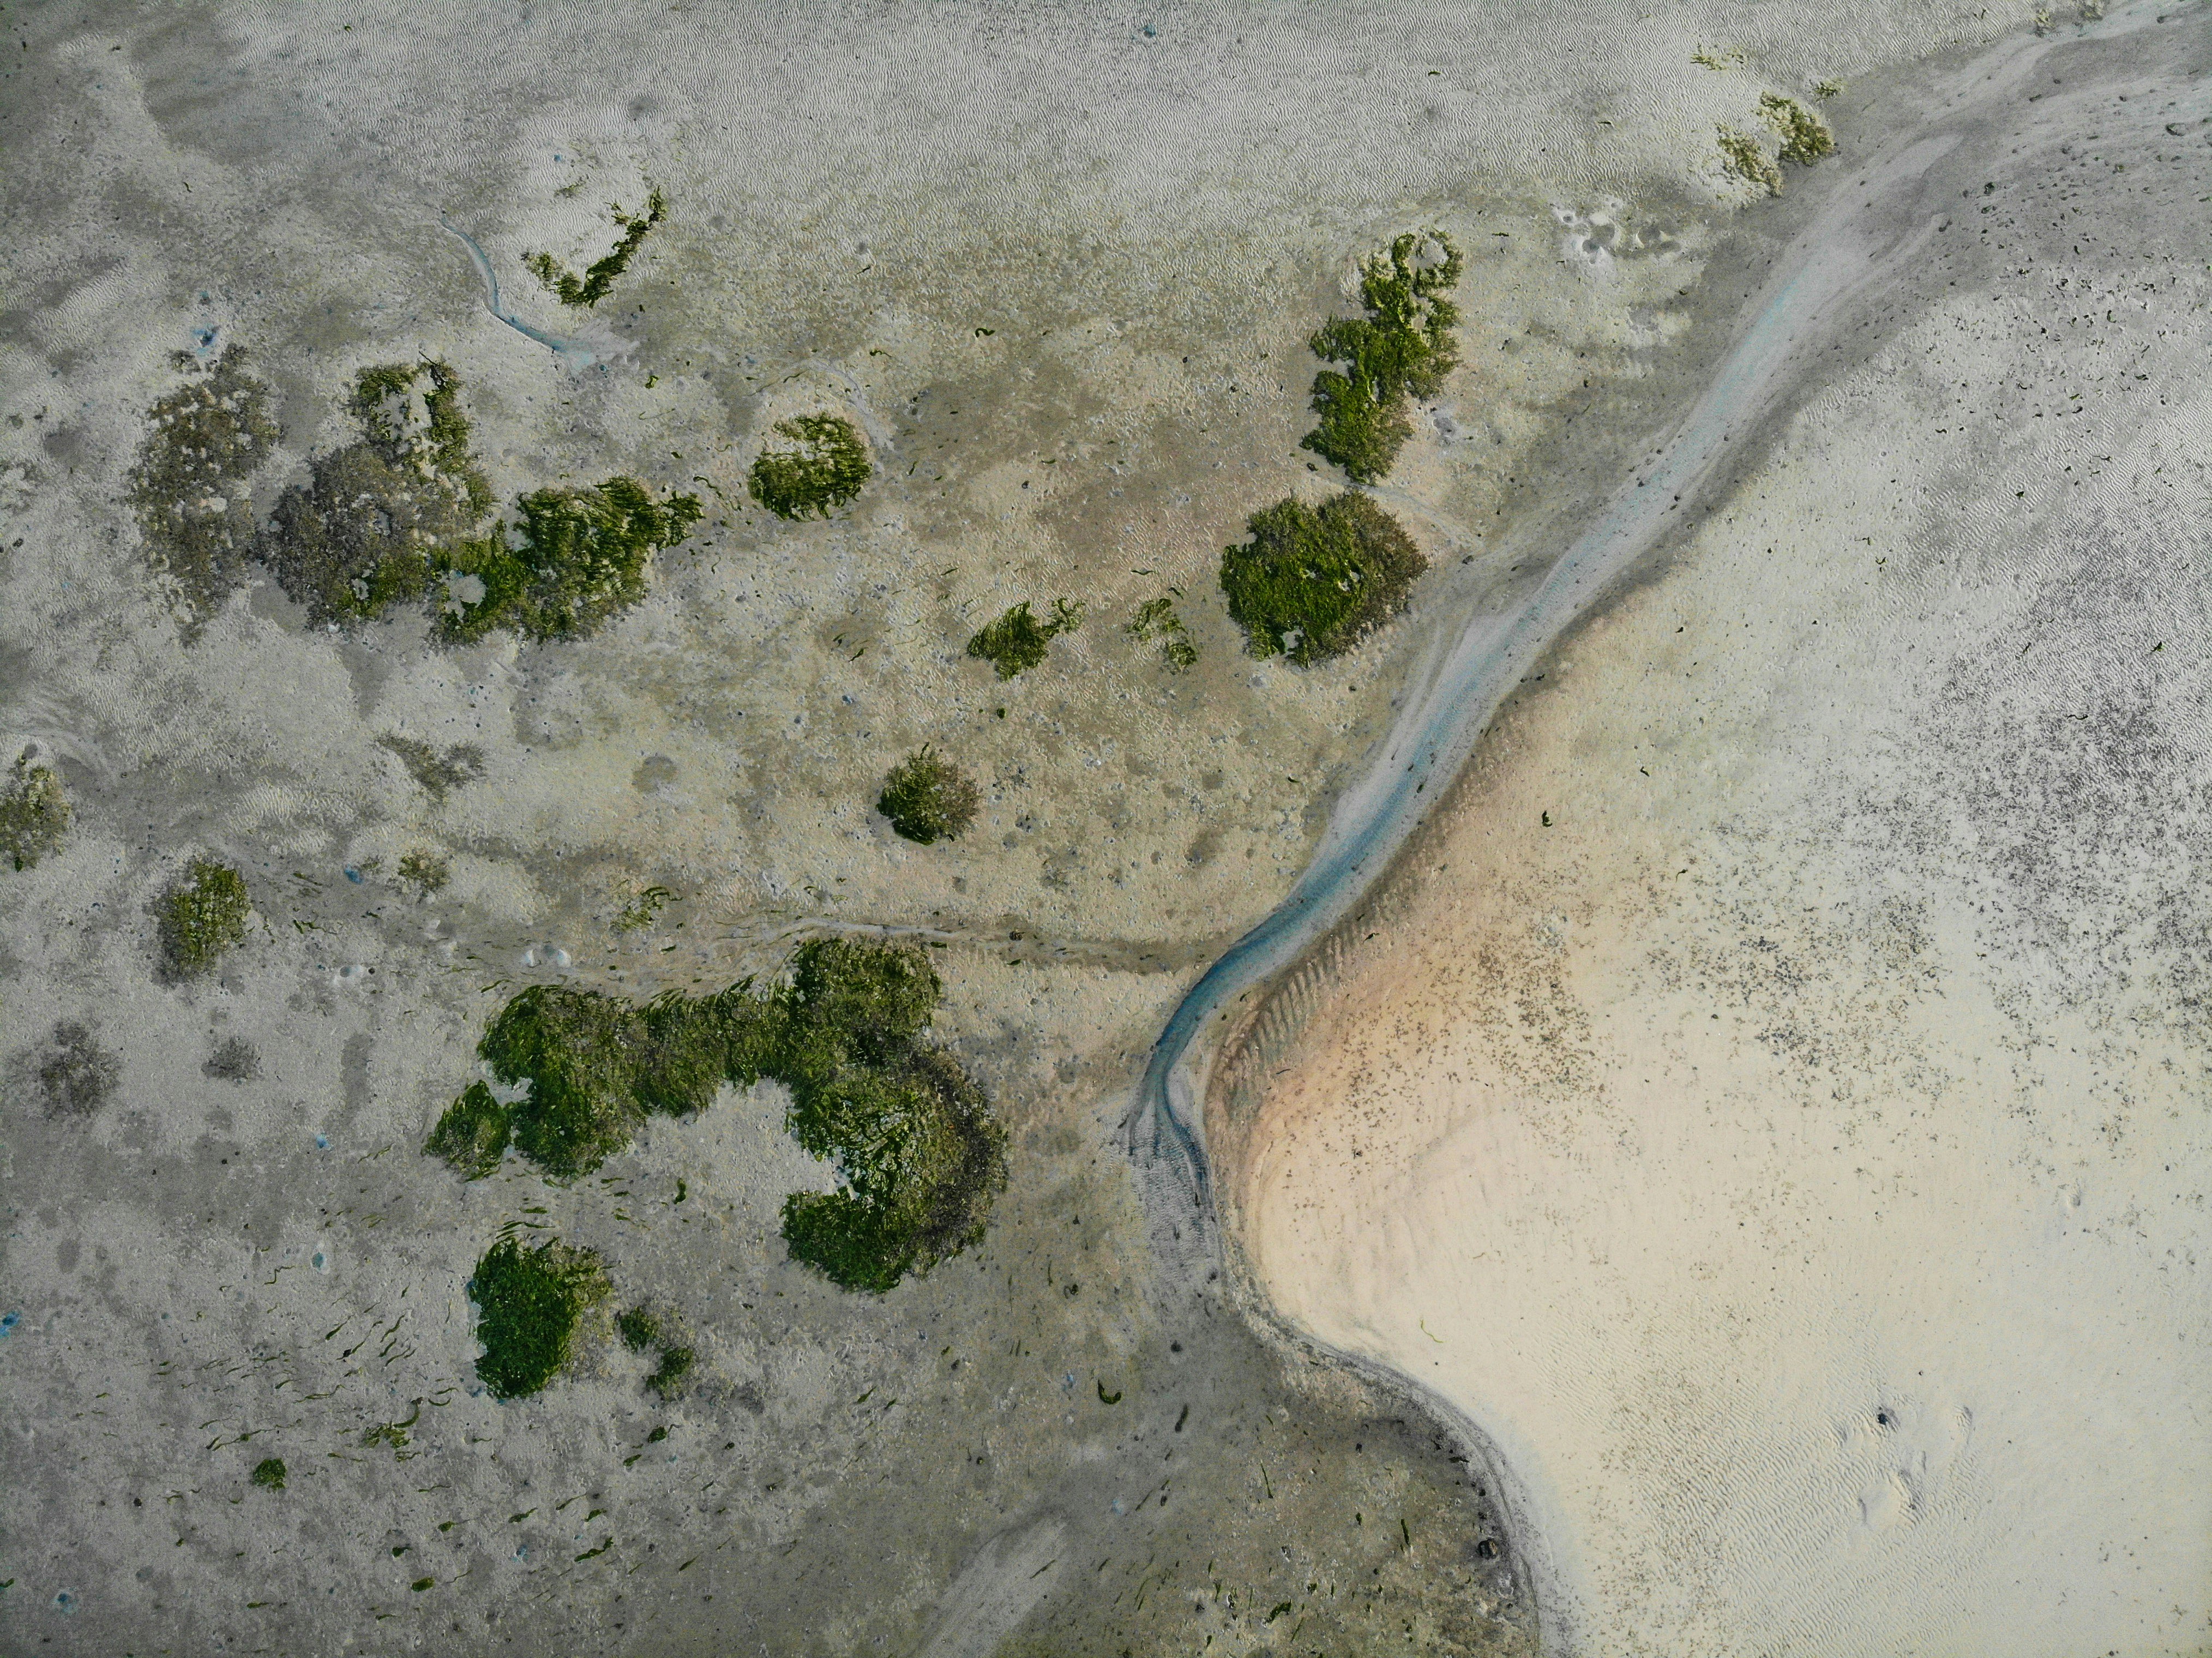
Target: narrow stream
<point>1867,230</point>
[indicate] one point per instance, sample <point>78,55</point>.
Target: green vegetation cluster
<point>269,1473</point>
<point>424,871</point>
<point>203,442</point>
<point>377,518</point>
<point>439,774</point>
<point>1741,154</point>
<point>928,799</point>
<point>576,558</point>
<point>203,916</point>
<point>1156,618</point>
<point>913,1138</point>
<point>395,516</point>
<point>823,469</point>
<point>601,275</point>
<point>1805,136</point>
<point>1402,346</point>
<point>1312,581</point>
<point>640,1330</point>
<point>529,1301</point>
<point>34,812</point>
<point>1016,643</point>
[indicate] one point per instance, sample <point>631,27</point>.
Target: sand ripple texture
<point>1771,1108</point>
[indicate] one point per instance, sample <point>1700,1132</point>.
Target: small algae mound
<point>34,813</point>
<point>1805,136</point>
<point>928,799</point>
<point>1311,582</point>
<point>528,1302</point>
<point>269,1473</point>
<point>76,1075</point>
<point>439,774</point>
<point>203,916</point>
<point>426,872</point>
<point>823,470</point>
<point>912,1135</point>
<point>576,559</point>
<point>188,487</point>
<point>1155,619</point>
<point>393,520</point>
<point>1742,156</point>
<point>640,1330</point>
<point>599,276</point>
<point>234,1060</point>
<point>1402,346</point>
<point>1016,643</point>
<point>375,523</point>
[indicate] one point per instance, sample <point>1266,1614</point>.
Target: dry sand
<point>1770,1106</point>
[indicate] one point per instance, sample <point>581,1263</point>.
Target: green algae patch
<point>375,523</point>
<point>822,468</point>
<point>424,871</point>
<point>573,560</point>
<point>473,1133</point>
<point>34,813</point>
<point>638,1329</point>
<point>1016,641</point>
<point>529,1302</point>
<point>1312,582</point>
<point>1156,620</point>
<point>203,916</point>
<point>601,275</point>
<point>269,1473</point>
<point>667,1378</point>
<point>1401,347</point>
<point>1805,136</point>
<point>919,1154</point>
<point>203,442</point>
<point>928,799</point>
<point>1742,158</point>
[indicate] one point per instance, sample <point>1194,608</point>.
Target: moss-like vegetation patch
<point>528,1302</point>
<point>667,1377</point>
<point>1401,347</point>
<point>76,1075</point>
<point>398,517</point>
<point>913,1137</point>
<point>1742,156</point>
<point>1016,641</point>
<point>1312,581</point>
<point>203,916</point>
<point>269,1473</point>
<point>1805,136</point>
<point>928,799</point>
<point>575,558</point>
<point>376,519</point>
<point>439,774</point>
<point>34,812</point>
<point>823,469</point>
<point>203,442</point>
<point>1155,619</point>
<point>424,871</point>
<point>601,275</point>
<point>638,1328</point>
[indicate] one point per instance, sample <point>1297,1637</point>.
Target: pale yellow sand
<point>1795,1158</point>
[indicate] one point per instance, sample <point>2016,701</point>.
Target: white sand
<point>1795,1158</point>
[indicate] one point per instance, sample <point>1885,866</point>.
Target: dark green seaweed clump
<point>203,440</point>
<point>378,519</point>
<point>1311,582</point>
<point>599,276</point>
<point>1401,347</point>
<point>269,1473</point>
<point>1155,619</point>
<point>638,1328</point>
<point>823,469</point>
<point>928,799</point>
<point>528,1302</point>
<point>576,558</point>
<point>1805,137</point>
<point>203,916</point>
<point>913,1137</point>
<point>34,812</point>
<point>1016,643</point>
